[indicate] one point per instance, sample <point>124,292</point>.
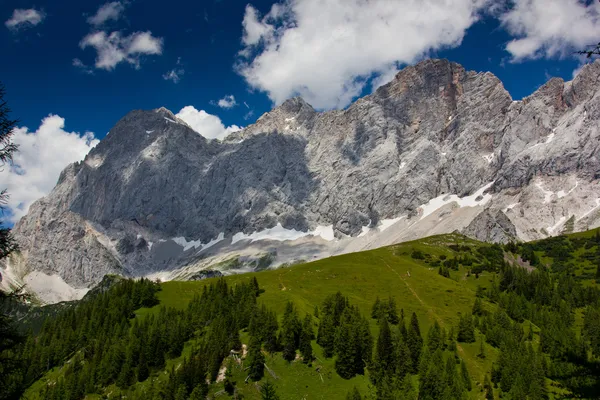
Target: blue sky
<point>88,63</point>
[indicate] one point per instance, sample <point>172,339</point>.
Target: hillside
<point>412,275</point>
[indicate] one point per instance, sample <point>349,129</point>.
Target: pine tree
<point>477,307</point>
<point>305,339</point>
<point>434,337</point>
<point>414,341</point>
<point>290,332</point>
<point>199,393</point>
<point>465,376</point>
<point>376,309</point>
<point>432,378</point>
<point>10,384</point>
<point>345,346</point>
<point>466,331</point>
<point>402,356</point>
<point>392,312</point>
<point>268,392</point>
<point>384,352</point>
<point>255,360</point>
<point>354,394</point>
<point>181,393</point>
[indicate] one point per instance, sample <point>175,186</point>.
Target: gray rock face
<point>491,228</point>
<point>436,129</point>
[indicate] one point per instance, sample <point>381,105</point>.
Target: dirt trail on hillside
<point>429,309</point>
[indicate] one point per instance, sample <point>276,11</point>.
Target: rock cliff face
<point>438,149</point>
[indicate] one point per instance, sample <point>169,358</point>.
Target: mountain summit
<point>437,149</point>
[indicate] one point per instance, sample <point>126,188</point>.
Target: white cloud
<point>384,77</point>
<point>24,18</point>
<point>208,125</point>
<point>227,102</point>
<point>114,48</point>
<point>174,75</point>
<point>327,50</point>
<point>107,12</point>
<point>41,157</point>
<point>77,63</point>
<point>550,28</point>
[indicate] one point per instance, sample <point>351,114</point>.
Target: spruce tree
<point>402,356</point>
<point>305,339</point>
<point>268,392</point>
<point>414,341</point>
<point>290,332</point>
<point>10,385</point>
<point>354,394</point>
<point>466,331</point>
<point>434,337</point>
<point>255,360</point>
<point>384,351</point>
<point>465,376</point>
<point>432,377</point>
<point>345,346</point>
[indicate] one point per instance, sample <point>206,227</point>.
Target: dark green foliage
<point>353,343</point>
<point>385,309</point>
<point>291,329</point>
<point>267,391</point>
<point>414,341</point>
<point>354,394</point>
<point>255,360</point>
<point>417,255</point>
<point>464,372</point>
<point>444,271</point>
<point>436,337</point>
<point>477,307</point>
<point>466,331</point>
<point>331,311</point>
<point>306,336</point>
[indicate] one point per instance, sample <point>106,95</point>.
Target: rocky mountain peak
<point>435,150</point>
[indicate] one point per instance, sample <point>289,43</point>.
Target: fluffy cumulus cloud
<point>115,48</point>
<point>42,155</point>
<point>23,18</point>
<point>208,125</point>
<point>227,102</point>
<point>551,28</point>
<point>107,12</point>
<point>327,50</point>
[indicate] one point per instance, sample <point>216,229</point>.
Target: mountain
<point>439,149</point>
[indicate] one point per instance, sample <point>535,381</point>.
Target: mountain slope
<point>436,150</point>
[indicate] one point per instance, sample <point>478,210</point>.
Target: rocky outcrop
<point>155,196</point>
<point>489,227</point>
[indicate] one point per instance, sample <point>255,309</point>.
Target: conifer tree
<point>345,346</point>
<point>268,392</point>
<point>305,339</point>
<point>354,394</point>
<point>414,341</point>
<point>465,376</point>
<point>466,331</point>
<point>434,337</point>
<point>290,332</point>
<point>477,307</point>
<point>384,352</point>
<point>402,356</point>
<point>432,377</point>
<point>256,360</point>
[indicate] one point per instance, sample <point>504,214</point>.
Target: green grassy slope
<point>390,271</point>
<point>415,284</point>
